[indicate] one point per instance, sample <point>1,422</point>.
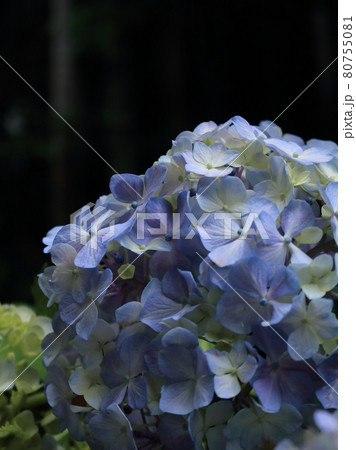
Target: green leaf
<point>8,429</point>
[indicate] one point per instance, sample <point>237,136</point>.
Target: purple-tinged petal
<point>204,392</point>
<point>284,282</point>
<point>87,323</point>
<point>178,398</point>
<point>180,336</point>
<point>126,188</point>
<point>128,313</point>
<point>91,254</point>
<point>154,178</point>
<point>112,429</point>
<point>137,392</point>
<point>176,363</point>
<point>268,392</point>
<point>251,275</point>
<point>295,217</point>
<point>229,253</point>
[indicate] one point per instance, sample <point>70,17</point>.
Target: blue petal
<point>230,253</point>
<point>284,282</point>
<point>126,188</point>
<point>295,217</point>
<point>204,392</point>
<point>268,392</point>
<point>128,313</point>
<point>177,363</point>
<point>137,392</point>
<point>159,307</point>
<point>178,398</point>
<point>115,396</point>
<point>180,336</point>
<point>251,275</point>
<point>88,321</point>
<point>154,177</point>
<point>112,430</point>
<point>91,254</point>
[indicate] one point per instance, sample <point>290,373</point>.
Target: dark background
<point>129,75</point>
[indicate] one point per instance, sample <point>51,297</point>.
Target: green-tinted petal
<point>310,235</point>
<point>7,374</point>
<point>312,291</point>
<point>328,282</point>
<point>321,265</point>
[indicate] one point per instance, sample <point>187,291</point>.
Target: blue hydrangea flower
<point>67,277</point>
<point>227,235</point>
<point>90,235</point>
<point>210,161</point>
<point>330,209</point>
<point>297,216</point>
<point>172,298</point>
<point>291,150</point>
<point>100,342</point>
<point>134,191</point>
<point>245,131</point>
<point>122,372</point>
<point>328,369</point>
<point>308,325</point>
<point>190,381</point>
<point>280,379</point>
<point>260,291</point>
<point>226,244</point>
<point>230,368</point>
<point>176,179</point>
<point>60,397</point>
<point>48,239</point>
<point>228,194</point>
<point>111,429</point>
<point>85,314</point>
<point>250,427</point>
<point>277,186</point>
<point>153,229</point>
<point>87,382</point>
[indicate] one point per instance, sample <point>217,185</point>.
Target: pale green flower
<point>317,277</point>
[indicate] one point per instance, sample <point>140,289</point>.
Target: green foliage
<point>26,420</point>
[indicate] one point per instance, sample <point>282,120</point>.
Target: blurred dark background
<point>129,75</point>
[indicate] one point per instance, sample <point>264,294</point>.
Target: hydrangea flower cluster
<point>26,420</point>
<point>196,302</point>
